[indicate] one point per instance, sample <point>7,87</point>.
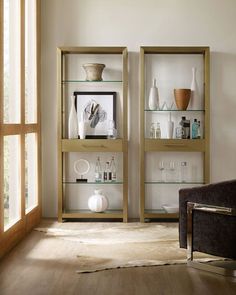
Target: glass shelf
<point>159,211</point>
<point>174,182</point>
<point>146,110</point>
<point>155,211</point>
<point>85,81</point>
<point>87,211</point>
<point>93,182</point>
<point>175,139</point>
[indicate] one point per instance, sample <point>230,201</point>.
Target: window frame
<point>28,219</point>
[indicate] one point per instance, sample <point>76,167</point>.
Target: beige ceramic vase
<point>93,71</point>
<point>182,97</point>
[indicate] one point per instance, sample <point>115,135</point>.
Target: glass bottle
<point>187,129</point>
<point>183,171</point>
<point>152,131</point>
<point>172,171</point>
<point>106,172</point>
<point>98,170</point>
<point>194,129</point>
<point>199,130</point>
<point>111,132</point>
<point>180,132</point>
<point>157,130</point>
<point>113,169</point>
<point>162,169</point>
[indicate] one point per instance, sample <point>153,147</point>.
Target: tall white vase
<point>72,121</point>
<point>153,101</point>
<point>195,102</point>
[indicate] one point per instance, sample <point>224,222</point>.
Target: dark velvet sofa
<point>212,233</point>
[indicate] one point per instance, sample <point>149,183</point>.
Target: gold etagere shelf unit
<point>91,145</point>
<point>172,145</point>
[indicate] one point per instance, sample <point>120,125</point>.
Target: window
<point>19,119</point>
<point>30,62</point>
<point>31,192</point>
<point>11,154</point>
<point>11,57</point>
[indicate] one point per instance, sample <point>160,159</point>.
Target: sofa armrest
<point>218,194</point>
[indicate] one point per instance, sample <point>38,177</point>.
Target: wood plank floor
<point>41,265</point>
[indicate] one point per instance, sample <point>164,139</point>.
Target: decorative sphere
<point>98,202</point>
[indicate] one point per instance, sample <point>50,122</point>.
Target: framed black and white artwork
<point>98,109</point>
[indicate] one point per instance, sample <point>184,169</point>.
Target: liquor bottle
<point>106,174</point>
<point>180,130</point>
<point>194,129</point>
<point>185,124</point>
<point>113,169</point>
<point>98,170</point>
<point>187,129</point>
<point>199,130</point>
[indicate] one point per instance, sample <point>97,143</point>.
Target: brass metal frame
<point>170,145</point>
<point>190,257</point>
<point>92,145</point>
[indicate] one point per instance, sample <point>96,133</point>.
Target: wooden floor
<point>41,265</point>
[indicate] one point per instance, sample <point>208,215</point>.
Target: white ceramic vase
<point>170,127</point>
<point>83,128</point>
<point>153,101</point>
<point>98,202</point>
<point>195,101</point>
<point>72,121</point>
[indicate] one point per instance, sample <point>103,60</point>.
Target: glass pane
<point>30,62</point>
<point>11,179</point>
<point>11,61</point>
<point>31,191</point>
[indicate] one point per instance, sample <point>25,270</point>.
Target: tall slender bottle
<point>153,102</point>
<point>195,101</point>
<point>106,174</point>
<point>199,130</point>
<point>113,169</point>
<point>170,127</point>
<point>98,170</point>
<point>72,120</point>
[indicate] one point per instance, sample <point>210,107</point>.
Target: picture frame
<point>98,108</point>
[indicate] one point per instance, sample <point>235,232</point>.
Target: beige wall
<point>133,23</point>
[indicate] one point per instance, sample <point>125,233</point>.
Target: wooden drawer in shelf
<point>169,145</point>
<point>94,145</point>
